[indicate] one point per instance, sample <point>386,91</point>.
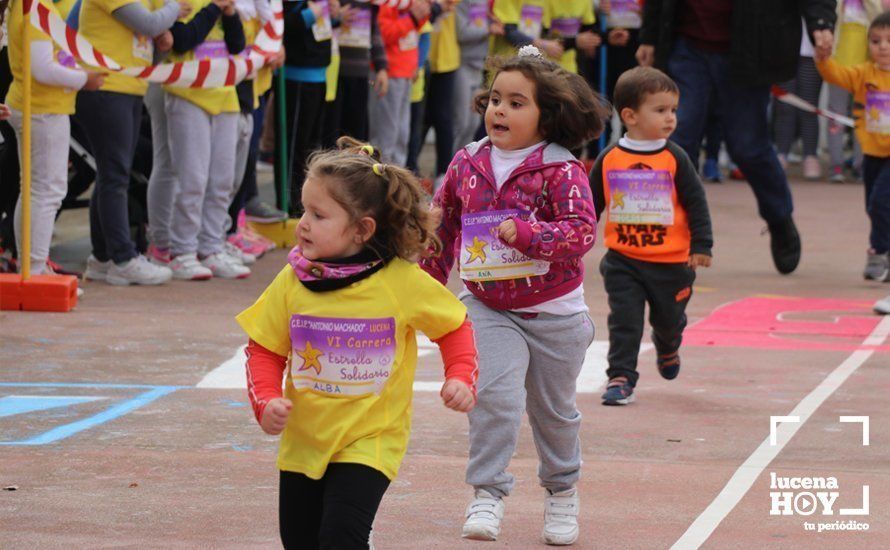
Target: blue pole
<point>603,74</point>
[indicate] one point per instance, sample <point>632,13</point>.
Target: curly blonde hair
<point>354,176</point>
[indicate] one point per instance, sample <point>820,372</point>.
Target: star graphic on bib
<point>310,358</point>
<point>618,199</point>
<point>477,250</point>
<point>874,113</point>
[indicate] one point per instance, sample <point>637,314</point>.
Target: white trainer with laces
<point>186,267</point>
<point>484,516</point>
<point>561,517</point>
<point>138,271</point>
<point>225,267</point>
<point>240,255</point>
<point>96,270</point>
<point>883,306</point>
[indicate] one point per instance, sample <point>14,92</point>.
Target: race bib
<point>531,21</point>
<point>478,15</point>
<point>408,42</point>
<point>854,12</point>
<point>342,357</point>
<point>566,27</point>
<point>625,14</point>
<point>877,112</point>
<point>322,30</point>
<point>211,49</point>
<point>143,48</point>
<point>641,197</point>
<point>485,257</point>
<point>357,33</point>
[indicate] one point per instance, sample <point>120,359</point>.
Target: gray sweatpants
<point>466,119</point>
<point>162,186</point>
<point>202,147</point>
<point>532,365</point>
<point>390,120</point>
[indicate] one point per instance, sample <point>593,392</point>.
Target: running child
<point>657,229</point>
<point>343,314</point>
<point>519,205</point>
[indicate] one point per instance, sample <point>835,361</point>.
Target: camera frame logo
<point>816,496</point>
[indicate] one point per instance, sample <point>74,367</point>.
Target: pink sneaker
<point>158,255</point>
<point>244,245</point>
<point>253,237</point>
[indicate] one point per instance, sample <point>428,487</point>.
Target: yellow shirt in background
<point>530,16</point>
<point>418,87</point>
<point>566,19</point>
<point>444,49</point>
<point>870,87</point>
<point>352,357</point>
<point>44,99</point>
<point>118,42</point>
<point>263,80</point>
<point>212,100</point>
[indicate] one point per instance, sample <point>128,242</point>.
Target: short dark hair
<point>634,85</point>
<point>880,21</point>
<point>571,112</point>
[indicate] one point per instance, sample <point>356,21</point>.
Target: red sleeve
<point>458,349</point>
<point>265,371</point>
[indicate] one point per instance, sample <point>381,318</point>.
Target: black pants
<point>438,116</point>
<point>347,115</point>
<point>112,124</point>
<point>305,112</point>
<point>630,284</point>
<point>415,140</point>
<point>334,512</point>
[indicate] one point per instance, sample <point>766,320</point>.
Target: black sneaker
<point>784,244</point>
<point>260,212</point>
<point>668,365</point>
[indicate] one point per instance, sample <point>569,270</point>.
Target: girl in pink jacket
<point>518,216</point>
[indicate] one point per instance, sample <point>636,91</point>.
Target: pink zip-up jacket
<point>552,186</point>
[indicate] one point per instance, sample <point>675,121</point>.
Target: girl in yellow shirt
<point>339,324</point>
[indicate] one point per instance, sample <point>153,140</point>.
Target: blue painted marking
<point>20,404</point>
<point>120,409</point>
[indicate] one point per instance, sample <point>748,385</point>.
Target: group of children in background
<point>514,211</point>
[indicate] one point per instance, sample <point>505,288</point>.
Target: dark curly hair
<point>571,112</point>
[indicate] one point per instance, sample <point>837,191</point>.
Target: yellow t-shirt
<point>852,44</point>
<point>118,42</point>
<point>44,99</point>
<point>352,356</point>
<point>444,49</point>
<point>566,19</point>
<point>870,87</point>
<point>531,17</point>
<point>213,100</point>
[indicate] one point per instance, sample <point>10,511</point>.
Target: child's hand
<point>184,9</point>
<point>646,55</point>
<point>276,61</point>
<point>552,48</point>
<point>618,37</point>
<point>164,41</point>
<point>275,415</point>
<point>316,9</point>
<point>587,42</point>
<point>457,396</point>
<point>824,43</point>
<point>699,260</point>
<point>94,81</point>
<point>381,83</point>
<point>420,9</point>
<point>507,231</point>
<point>496,28</point>
<point>4,111</point>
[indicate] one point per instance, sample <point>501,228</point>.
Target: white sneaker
<point>138,271</point>
<point>883,306</point>
<point>186,267</point>
<point>238,254</point>
<point>225,267</point>
<point>561,517</point>
<point>484,516</point>
<point>96,270</point>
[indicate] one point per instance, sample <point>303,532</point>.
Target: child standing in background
<point>390,115</point>
<point>870,85</point>
<point>472,37</point>
<point>572,24</point>
<point>657,229</point>
<point>519,204</point>
<point>55,80</point>
<point>523,23</point>
<point>346,409</point>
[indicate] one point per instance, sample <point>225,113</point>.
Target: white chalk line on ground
<point>746,474</point>
<point>230,374</point>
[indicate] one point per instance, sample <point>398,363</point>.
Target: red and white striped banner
<point>204,73</point>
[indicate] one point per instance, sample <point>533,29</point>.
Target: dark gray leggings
<point>790,121</point>
<point>111,122</point>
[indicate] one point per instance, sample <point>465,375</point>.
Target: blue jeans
<point>876,173</point>
<point>703,77</point>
